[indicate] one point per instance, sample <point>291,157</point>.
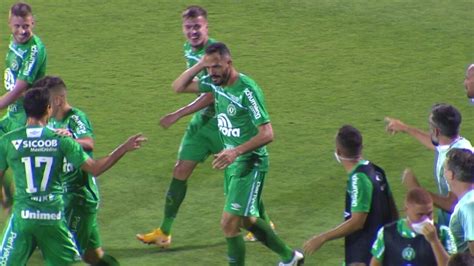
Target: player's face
<point>21,28</point>
<point>434,132</point>
<point>219,68</point>
<point>195,31</point>
<point>418,212</point>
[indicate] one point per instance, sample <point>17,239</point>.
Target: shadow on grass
<point>152,249</point>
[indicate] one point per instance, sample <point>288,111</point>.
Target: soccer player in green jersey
<point>201,137</point>
<point>369,201</point>
<point>25,62</point>
<point>36,155</point>
<point>414,240</point>
<point>245,128</point>
<point>444,135</point>
<point>81,194</point>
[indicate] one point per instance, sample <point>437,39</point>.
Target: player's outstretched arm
<point>355,223</point>
<point>186,81</point>
<point>97,167</point>
<point>395,126</point>
<point>226,157</point>
<point>201,102</point>
<point>13,95</point>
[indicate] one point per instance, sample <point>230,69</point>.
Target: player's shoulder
<point>249,83</point>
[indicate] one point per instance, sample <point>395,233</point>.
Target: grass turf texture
<point>320,63</point>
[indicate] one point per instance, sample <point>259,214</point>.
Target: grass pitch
<point>321,64</point>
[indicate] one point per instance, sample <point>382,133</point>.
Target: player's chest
<point>13,61</point>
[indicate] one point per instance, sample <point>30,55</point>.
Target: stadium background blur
<point>321,64</point>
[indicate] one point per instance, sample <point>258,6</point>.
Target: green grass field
<point>321,64</point>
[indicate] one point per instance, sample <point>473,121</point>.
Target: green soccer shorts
<point>200,140</point>
<point>21,237</point>
<point>243,185</point>
<point>84,227</point>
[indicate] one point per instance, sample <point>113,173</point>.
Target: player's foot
<point>156,237</point>
<point>249,237</point>
<point>298,259</point>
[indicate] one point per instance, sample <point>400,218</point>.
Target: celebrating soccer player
<point>36,155</point>
<point>245,128</point>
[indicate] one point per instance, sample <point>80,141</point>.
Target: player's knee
<point>183,170</point>
<point>93,256</point>
<point>230,224</point>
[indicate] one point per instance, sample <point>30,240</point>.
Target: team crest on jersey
<point>408,253</point>
<point>225,126</point>
<point>14,65</point>
<point>231,110</point>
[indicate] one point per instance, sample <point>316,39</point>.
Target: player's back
<point>35,154</point>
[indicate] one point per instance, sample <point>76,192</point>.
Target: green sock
<point>263,214</point>
<point>107,260</point>
<point>236,250</point>
<point>174,198</point>
<point>264,233</point>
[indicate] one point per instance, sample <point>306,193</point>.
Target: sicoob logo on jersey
<point>225,126</point>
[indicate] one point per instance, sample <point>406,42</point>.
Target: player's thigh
<point>244,190</point>
<point>193,147</point>
<point>57,244</point>
<point>17,244</point>
<point>84,228</point>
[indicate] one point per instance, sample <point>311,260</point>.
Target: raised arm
<point>186,81</point>
<point>228,156</point>
<point>395,126</point>
<point>97,167</point>
<point>201,102</point>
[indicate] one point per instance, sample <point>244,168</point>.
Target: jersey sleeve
<point>378,248</point>
<point>80,126</point>
<point>468,221</point>
<point>32,63</point>
<point>73,152</point>
<point>3,156</point>
<point>361,193</point>
<point>447,239</point>
<point>253,99</point>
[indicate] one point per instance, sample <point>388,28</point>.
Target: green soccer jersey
<point>35,155</point>
<point>76,181</point>
<point>240,111</point>
<point>192,57</point>
<point>25,62</point>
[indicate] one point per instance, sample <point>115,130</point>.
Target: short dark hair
<point>350,140</point>
<point>218,47</point>
<point>447,118</point>
<point>51,83</point>
<point>461,163</point>
<point>36,102</point>
<point>20,9</point>
<point>194,12</point>
<point>461,259</point>
<point>418,196</point>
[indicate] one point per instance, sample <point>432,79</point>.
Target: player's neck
<point>350,164</point>
<point>447,141</point>
<point>66,108</point>
<point>461,188</point>
<point>37,122</point>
